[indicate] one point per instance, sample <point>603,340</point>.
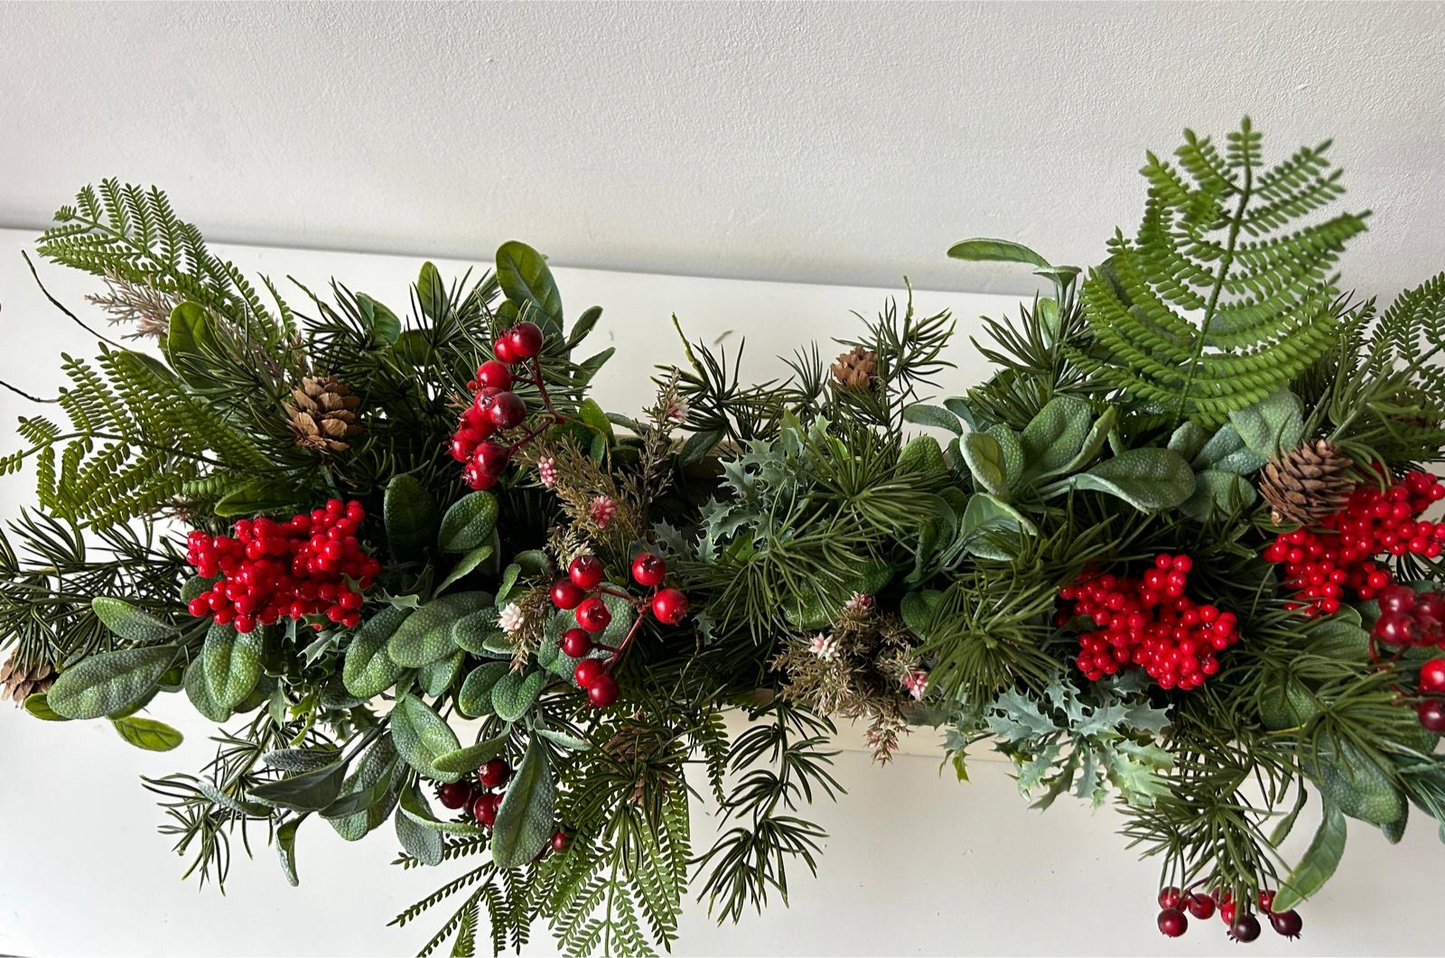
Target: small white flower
<point>858,602</point>
<point>511,618</point>
<point>678,409</point>
<point>916,684</point>
<point>824,647</point>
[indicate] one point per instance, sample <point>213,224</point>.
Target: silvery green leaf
<point>1274,423</point>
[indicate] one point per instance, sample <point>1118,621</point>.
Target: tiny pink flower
<point>824,647</point>
<point>677,410</point>
<point>511,618</point>
<point>604,510</point>
<point>547,471</point>
<point>916,684</point>
<point>858,602</point>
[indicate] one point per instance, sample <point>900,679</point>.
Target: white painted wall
<point>806,142</point>
<point>917,863</point>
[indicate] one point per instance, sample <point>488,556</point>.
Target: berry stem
<point>616,657</point>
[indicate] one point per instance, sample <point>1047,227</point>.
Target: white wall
<point>917,863</point>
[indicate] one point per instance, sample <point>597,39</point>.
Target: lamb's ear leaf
<point>109,683</point>
<point>525,818</point>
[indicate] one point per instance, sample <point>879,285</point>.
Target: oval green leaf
<point>147,733</point>
<point>110,682</point>
<point>469,522</point>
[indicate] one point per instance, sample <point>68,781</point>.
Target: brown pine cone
<point>18,681</point>
<point>323,414</point>
<point>1307,484</point>
<point>856,368</point>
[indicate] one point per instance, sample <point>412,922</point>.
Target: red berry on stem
<point>494,774</point>
<point>1172,922</point>
<point>593,614</point>
<point>1432,715</point>
<point>1169,897</point>
<point>1432,673</point>
<point>494,375</point>
<point>603,690</point>
<point>525,340</point>
<point>491,458</point>
<point>1201,906</point>
<point>576,643</point>
<point>502,349</point>
<point>454,794</point>
<point>484,809</point>
<point>507,410</point>
<point>566,594</point>
<point>587,671</point>
<point>670,606</point>
<point>586,571</point>
<point>560,841</point>
<point>1245,928</point>
<point>648,569</point>
<point>1287,923</point>
<point>1227,912</point>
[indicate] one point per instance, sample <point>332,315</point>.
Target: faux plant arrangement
<point>1174,555</point>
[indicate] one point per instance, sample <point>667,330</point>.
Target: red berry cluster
<point>495,408</point>
<point>484,797</point>
<point>1243,926</point>
<point>1410,618</point>
<point>582,592</point>
<point>270,570</point>
<point>1151,623</point>
<point>1320,565</point>
<point>1432,686</point>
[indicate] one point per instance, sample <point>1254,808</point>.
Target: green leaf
<point>38,705</point>
<point>1318,864</point>
<point>593,417</point>
<point>469,522</point>
<point>1227,452</point>
<point>525,279</point>
<point>1274,423</point>
<point>473,757</point>
<point>385,326</point>
<point>924,415</point>
<point>300,759</point>
<point>147,733</point>
<point>698,445</point>
<point>198,690</point>
<point>233,664</point>
<point>513,695</point>
<point>431,292</point>
<point>464,566</point>
<point>359,797</point>
<point>367,670</point>
<point>1217,493</point>
<point>110,682</point>
<point>307,792</point>
<point>263,495</point>
<point>1147,479</point>
<point>415,807</point>
<point>916,609</point>
<point>426,635</point>
<point>1286,825</point>
<point>476,632</point>
<point>437,677</point>
<point>583,325</point>
<point>985,519</point>
<point>570,742</point>
<point>420,735</point>
<point>128,622</point>
<point>525,818</point>
<point>1094,441</point>
<point>985,459</point>
<point>186,333</point>
<point>504,588</point>
<point>1056,435</point>
<point>410,515</point>
<point>286,848</point>
<point>414,348</point>
<point>423,844</point>
<point>1189,439</point>
<point>474,699</point>
<point>981,248</point>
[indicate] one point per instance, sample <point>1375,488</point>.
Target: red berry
<point>560,841</point>
<point>454,794</point>
<point>494,774</point>
<point>648,569</point>
<point>525,340</point>
<point>1172,922</point>
<point>576,643</point>
<point>476,479</point>
<point>507,410</point>
<point>199,606</point>
<point>603,690</point>
<point>1227,911</point>
<point>670,606</point>
<point>1396,628</point>
<point>502,349</point>
<point>593,615</point>
<point>1201,906</point>
<point>1266,899</point>
<point>1169,897</point>
<point>566,594</point>
<point>587,671</point>
<point>484,809</point>
<point>491,458</point>
<point>1432,715</point>
<point>586,571</point>
<point>494,375</point>
<point>1287,923</point>
<point>1245,928</point>
<point>1397,598</point>
<point>1432,673</point>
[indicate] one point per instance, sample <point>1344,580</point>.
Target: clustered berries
<point>1243,926</point>
<point>1432,689</point>
<point>1320,565</point>
<point>271,570</point>
<point>483,797</point>
<point>581,593</point>
<point>496,409</point>
<point>1151,623</point>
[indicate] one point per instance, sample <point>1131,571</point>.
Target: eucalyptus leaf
<point>1218,493</point>
<point>988,523</point>
<point>936,416</point>
<point>1148,479</point>
<point>985,461</point>
<point>1055,436</point>
<point>1275,422</point>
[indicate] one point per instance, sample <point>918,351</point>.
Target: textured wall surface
<point>916,863</point>
<point>803,142</point>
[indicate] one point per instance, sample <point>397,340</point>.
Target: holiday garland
<point>1174,555</point>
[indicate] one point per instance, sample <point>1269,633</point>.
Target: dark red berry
<point>1169,897</point>
<point>491,458</point>
<point>502,349</point>
<point>603,690</point>
<point>525,340</point>
<point>1397,598</point>
<point>507,410</point>
<point>1287,923</point>
<point>593,614</point>
<point>484,809</point>
<point>670,606</point>
<point>1226,912</point>
<point>587,671</point>
<point>1201,906</point>
<point>1266,899</point>
<point>476,478</point>
<point>1432,674</point>
<point>494,375</point>
<point>1432,715</point>
<point>566,594</point>
<point>454,794</point>
<point>576,643</point>
<point>648,569</point>
<point>1245,928</point>
<point>495,773</point>
<point>586,571</point>
<point>560,841</point>
<point>1172,922</point>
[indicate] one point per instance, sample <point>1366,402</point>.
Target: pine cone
<point>19,681</point>
<point>648,752</point>
<point>856,368</point>
<point>1307,484</point>
<point>323,414</point>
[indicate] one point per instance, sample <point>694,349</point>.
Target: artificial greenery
<point>852,548</point>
